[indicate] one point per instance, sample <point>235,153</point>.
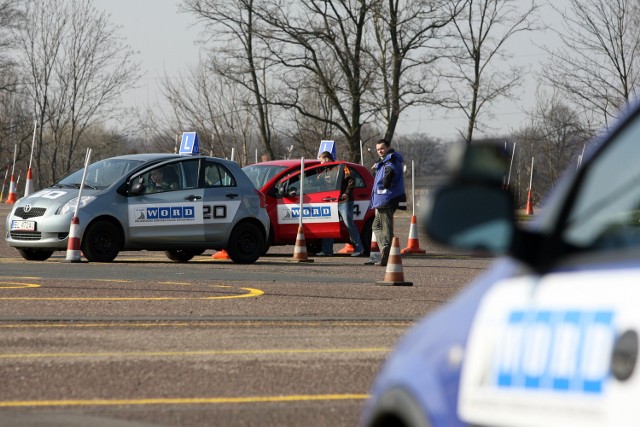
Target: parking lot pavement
<point>146,341</point>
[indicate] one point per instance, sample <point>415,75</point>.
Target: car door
<point>320,203</point>
<point>168,213</point>
<point>222,199</point>
<point>561,347</point>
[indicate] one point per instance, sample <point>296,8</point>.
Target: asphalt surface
<point>146,341</point>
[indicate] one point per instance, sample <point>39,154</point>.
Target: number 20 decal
<point>214,212</point>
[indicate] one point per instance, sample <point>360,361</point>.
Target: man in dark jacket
<point>388,194</point>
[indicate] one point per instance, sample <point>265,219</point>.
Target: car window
<point>216,175</point>
<point>606,211</point>
<point>261,174</point>
<point>101,174</point>
<point>359,181</point>
<point>162,179</point>
<point>316,180</point>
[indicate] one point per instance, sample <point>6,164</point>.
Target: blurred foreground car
<point>199,203</point>
<point>279,181</point>
<point>548,336</point>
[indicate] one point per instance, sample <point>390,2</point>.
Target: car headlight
<point>70,206</point>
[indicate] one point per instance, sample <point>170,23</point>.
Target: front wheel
<point>35,254</point>
<point>246,243</point>
<point>101,242</point>
<point>181,255</point>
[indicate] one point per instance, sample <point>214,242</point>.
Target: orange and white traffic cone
<point>529,203</point>
<point>28,186</point>
<point>413,245</point>
<point>221,254</point>
<point>12,191</point>
<point>73,243</point>
<point>300,248</point>
<point>394,275</point>
<point>347,249</point>
<point>374,252</point>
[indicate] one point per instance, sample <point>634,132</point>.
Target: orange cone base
<point>300,248</point>
<point>394,276</point>
<point>413,249</point>
<point>413,245</point>
<point>347,249</point>
<point>222,254</point>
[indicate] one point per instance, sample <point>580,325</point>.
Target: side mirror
<point>473,217</point>
<point>137,187</point>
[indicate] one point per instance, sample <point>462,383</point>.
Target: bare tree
<point>77,71</point>
<point>9,20</point>
<point>598,65</point>
<point>233,26</point>
<point>555,137</point>
<point>321,45</point>
<point>410,38</point>
<point>474,79</point>
<point>216,108</point>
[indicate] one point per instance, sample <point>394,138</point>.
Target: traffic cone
<point>28,186</point>
<point>413,245</point>
<point>73,243</point>
<point>221,254</point>
<point>300,248</point>
<point>394,275</point>
<point>529,203</point>
<point>347,249</point>
<point>374,252</point>
<point>12,191</point>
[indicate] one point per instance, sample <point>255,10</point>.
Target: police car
<point>179,204</point>
<point>548,336</point>
<point>279,181</point>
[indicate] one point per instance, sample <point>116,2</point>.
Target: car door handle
<point>193,197</point>
<point>231,195</point>
<point>329,199</point>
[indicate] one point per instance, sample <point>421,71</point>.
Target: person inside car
<point>163,179</point>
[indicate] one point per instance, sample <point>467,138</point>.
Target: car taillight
<point>263,203</point>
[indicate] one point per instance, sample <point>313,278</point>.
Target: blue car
<point>548,335</point>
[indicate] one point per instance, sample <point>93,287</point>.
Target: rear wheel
<point>35,254</point>
<point>101,242</point>
<point>246,243</point>
<point>181,255</point>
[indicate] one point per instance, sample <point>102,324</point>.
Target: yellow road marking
<point>198,323</point>
<point>197,353</point>
<point>17,285</point>
<point>251,292</point>
<point>183,401</point>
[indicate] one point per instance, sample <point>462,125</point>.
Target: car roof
<point>286,162</point>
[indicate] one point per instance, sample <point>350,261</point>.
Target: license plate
<point>23,225</point>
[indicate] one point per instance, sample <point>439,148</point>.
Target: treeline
<point>275,78</point>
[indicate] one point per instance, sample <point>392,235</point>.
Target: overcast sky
<point>167,44</point>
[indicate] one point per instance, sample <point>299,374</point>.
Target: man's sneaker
<point>381,264</point>
<point>357,253</point>
<point>370,262</point>
<point>323,254</point>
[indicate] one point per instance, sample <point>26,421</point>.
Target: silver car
<point>182,205</point>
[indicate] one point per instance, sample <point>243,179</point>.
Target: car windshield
<point>100,174</point>
<point>261,174</point>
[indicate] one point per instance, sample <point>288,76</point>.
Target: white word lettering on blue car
<point>555,350</point>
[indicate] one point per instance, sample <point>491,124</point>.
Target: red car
<point>279,181</point>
